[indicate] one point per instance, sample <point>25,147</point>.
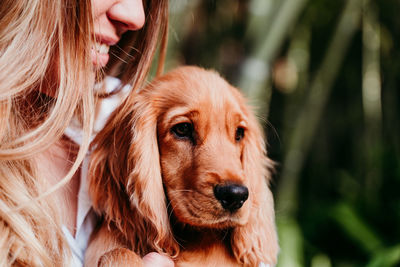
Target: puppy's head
<point>203,128</point>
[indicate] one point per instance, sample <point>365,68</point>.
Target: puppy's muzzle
<point>231,196</point>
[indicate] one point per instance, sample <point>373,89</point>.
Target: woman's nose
<point>128,14</point>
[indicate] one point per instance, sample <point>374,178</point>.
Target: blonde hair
<point>46,44</point>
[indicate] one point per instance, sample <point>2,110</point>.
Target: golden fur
<point>155,189</point>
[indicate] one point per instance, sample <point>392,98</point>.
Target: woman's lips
<point>99,55</point>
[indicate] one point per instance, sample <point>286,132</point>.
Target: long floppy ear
<point>126,179</point>
<point>257,241</point>
<point>145,185</point>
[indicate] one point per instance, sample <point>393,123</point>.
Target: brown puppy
<point>181,169</point>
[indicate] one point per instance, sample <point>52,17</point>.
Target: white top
<point>86,218</point>
<point>85,221</point>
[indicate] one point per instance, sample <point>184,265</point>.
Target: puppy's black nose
<point>231,196</point>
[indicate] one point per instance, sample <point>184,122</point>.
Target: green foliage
<point>326,75</point>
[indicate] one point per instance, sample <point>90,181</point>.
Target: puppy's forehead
<point>195,88</point>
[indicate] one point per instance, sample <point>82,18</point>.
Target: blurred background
<point>324,76</point>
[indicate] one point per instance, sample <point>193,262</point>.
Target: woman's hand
<point>155,259</point>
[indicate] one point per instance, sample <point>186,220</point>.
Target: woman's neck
<point>53,165</point>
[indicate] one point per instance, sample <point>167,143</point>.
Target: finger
<point>155,259</point>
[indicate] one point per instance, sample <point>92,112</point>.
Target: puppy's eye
<point>182,130</point>
<point>239,133</point>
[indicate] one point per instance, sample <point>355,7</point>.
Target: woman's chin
<point>99,60</point>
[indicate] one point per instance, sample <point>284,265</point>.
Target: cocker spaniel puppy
<point>181,169</point>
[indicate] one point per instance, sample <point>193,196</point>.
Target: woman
<point>51,54</point>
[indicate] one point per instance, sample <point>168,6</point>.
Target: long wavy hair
<point>45,45</point>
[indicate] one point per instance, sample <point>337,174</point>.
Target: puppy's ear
<point>256,241</point>
<point>145,185</point>
<point>127,182</point>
